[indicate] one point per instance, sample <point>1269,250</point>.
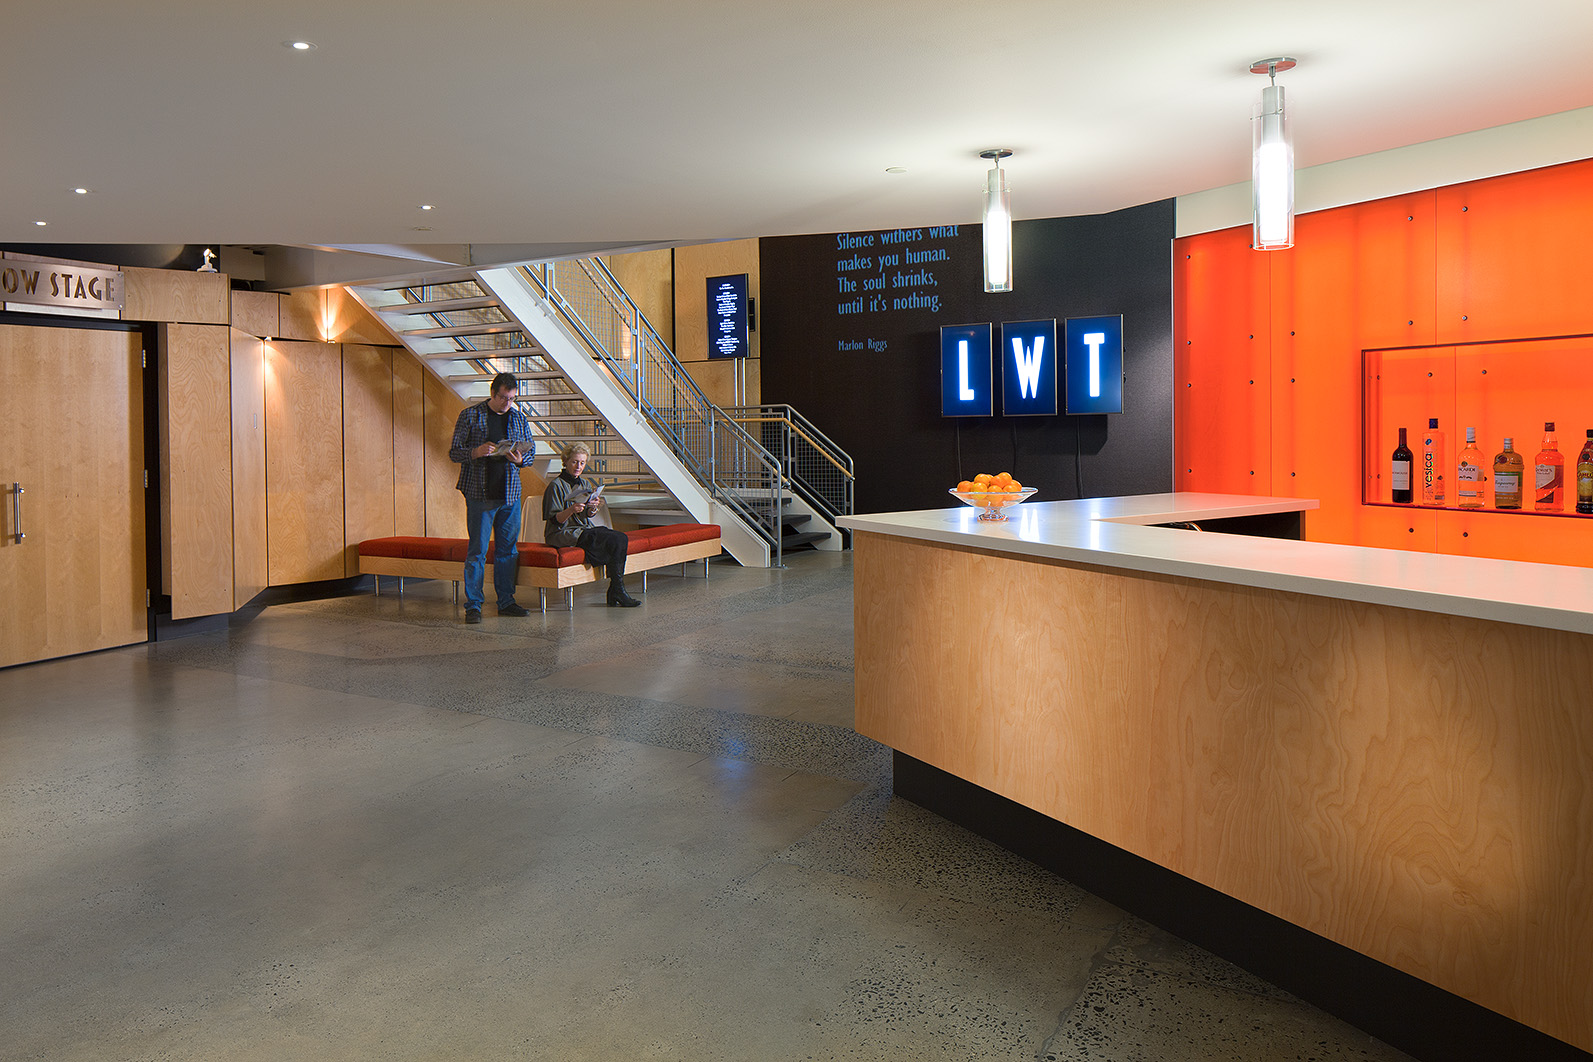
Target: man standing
<point>491,486</point>
<point>568,507</point>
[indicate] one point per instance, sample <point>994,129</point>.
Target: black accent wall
<point>868,374</point>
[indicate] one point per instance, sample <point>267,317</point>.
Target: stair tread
<point>409,309</point>
<point>491,328</point>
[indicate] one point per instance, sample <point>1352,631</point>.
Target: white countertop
<point>1111,532</point>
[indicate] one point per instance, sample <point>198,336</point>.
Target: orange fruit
<point>1003,477</point>
<point>983,478</point>
<point>1014,486</point>
<point>964,487</point>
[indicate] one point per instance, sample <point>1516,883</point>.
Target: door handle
<point>16,512</point>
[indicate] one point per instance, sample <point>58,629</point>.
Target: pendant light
<point>1272,162</point>
<point>997,224</point>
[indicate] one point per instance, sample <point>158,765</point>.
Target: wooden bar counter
<point>1392,751</point>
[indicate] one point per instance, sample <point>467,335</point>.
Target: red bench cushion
<point>533,554</point>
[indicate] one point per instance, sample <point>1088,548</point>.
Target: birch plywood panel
<point>255,312</point>
<point>409,445</point>
<point>304,462</point>
<point>368,449</point>
<point>693,267</point>
<point>77,581</point>
<point>175,295</point>
<point>648,277</point>
<point>346,321</point>
<point>196,463</point>
<point>1414,786</point>
<point>249,572</point>
<point>303,316</point>
<point>445,506</point>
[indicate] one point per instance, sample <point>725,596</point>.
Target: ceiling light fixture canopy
<point>1272,162</point>
<point>997,224</point>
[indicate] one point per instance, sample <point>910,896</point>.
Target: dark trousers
<point>605,546</point>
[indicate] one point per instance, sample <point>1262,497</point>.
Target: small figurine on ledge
<point>208,267</point>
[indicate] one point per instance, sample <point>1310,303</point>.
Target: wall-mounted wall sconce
<point>1272,162</point>
<point>997,224</point>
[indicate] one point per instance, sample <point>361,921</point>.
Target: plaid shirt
<point>470,432</point>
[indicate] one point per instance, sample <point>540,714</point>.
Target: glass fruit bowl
<point>993,503</point>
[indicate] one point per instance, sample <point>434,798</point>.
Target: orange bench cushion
<point>533,554</point>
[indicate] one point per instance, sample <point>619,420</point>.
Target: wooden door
<point>72,434</point>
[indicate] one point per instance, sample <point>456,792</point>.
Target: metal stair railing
<point>819,470</point>
<point>734,468</point>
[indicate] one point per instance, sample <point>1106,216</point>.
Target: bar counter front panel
<point>1415,785</point>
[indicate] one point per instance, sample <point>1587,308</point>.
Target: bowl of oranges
<point>992,494</point>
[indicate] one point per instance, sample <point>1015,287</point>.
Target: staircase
<point>593,370</point>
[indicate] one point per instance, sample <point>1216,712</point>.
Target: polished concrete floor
<point>358,829</point>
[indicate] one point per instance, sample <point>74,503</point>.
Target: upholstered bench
<point>541,566</point>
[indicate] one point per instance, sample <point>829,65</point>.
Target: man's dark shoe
<point>618,598</point>
<point>513,610</point>
<point>472,615</point>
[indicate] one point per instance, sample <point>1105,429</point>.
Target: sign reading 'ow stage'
<point>1091,364</point>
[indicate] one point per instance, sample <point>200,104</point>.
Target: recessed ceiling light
<point>895,169</point>
<point>81,191</point>
<point>422,228</point>
<point>41,223</point>
<point>427,206</point>
<point>299,46</point>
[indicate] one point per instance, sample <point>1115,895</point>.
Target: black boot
<point>617,597</point>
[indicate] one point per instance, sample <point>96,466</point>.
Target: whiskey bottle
<point>1584,476</point>
<point>1549,474</point>
<point>1401,477</point>
<point>1508,467</point>
<point>1433,464</point>
<point>1469,476</point>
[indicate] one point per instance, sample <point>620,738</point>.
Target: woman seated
<point>568,505</point>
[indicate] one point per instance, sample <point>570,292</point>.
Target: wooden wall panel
<point>256,312</point>
<point>249,558</point>
<point>409,445</point>
<point>303,316</point>
<point>196,468</point>
<point>368,448</point>
<point>693,267</point>
<point>649,278</point>
<point>445,506</point>
<point>1416,787</point>
<point>304,462</point>
<point>176,295</point>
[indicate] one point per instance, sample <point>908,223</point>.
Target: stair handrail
<point>687,408</point>
<point>800,437</point>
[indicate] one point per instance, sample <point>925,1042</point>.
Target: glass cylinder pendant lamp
<point>997,224</point>
<point>1272,162</point>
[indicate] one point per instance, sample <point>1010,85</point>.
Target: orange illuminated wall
<point>1269,393</point>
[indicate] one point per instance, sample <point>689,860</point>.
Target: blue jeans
<point>500,521</point>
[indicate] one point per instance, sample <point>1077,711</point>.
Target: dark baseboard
<point>1403,1011</point>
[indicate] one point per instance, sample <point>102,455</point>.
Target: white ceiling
<point>628,122</point>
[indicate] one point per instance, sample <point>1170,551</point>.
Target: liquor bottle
<point>1433,464</point>
<point>1508,467</point>
<point>1402,462</point>
<point>1584,476</point>
<point>1469,476</point>
<point>1549,474</point>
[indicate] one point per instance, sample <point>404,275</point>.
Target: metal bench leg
<point>456,591</point>
<point>542,599</point>
<point>569,597</point>
<point>378,586</point>
<point>400,586</point>
<point>644,582</point>
<point>705,569</point>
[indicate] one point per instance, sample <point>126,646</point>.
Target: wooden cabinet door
<point>72,435</point>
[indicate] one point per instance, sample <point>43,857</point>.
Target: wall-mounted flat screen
<point>1028,368</point>
<point>965,371</point>
<point>1094,364</point>
<point>728,334</point>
